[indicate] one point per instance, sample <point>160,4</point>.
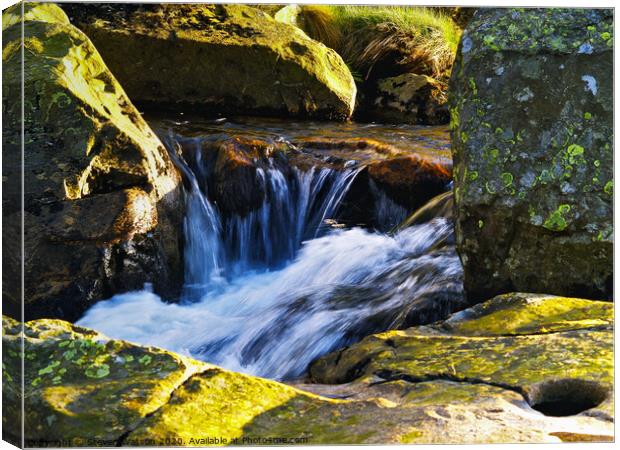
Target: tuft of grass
<point>416,39</point>
<point>319,22</point>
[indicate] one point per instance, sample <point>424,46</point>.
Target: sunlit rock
<point>101,199</point>
<point>221,58</point>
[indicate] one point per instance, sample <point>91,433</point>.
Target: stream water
<point>269,291</point>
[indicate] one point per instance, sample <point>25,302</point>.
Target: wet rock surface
<point>531,105</point>
<point>242,60</point>
<point>101,195</point>
<point>399,168</point>
<point>437,384</point>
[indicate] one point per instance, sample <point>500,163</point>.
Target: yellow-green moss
<point>528,314</point>
<point>520,340</point>
<point>79,385</point>
<point>242,61</point>
<point>79,104</point>
<point>40,12</point>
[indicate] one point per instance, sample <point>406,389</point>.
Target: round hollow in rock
<point>565,397</point>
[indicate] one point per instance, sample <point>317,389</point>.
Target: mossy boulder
<point>83,389</point>
<point>522,314</point>
<point>546,348</point>
<point>406,98</point>
<point>80,387</point>
<point>219,58</point>
<point>532,129</point>
<point>101,197</point>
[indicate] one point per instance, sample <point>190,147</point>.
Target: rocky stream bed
<point>214,253</point>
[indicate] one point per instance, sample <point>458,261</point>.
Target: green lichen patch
<point>80,385</point>
<point>556,30</point>
<point>557,220</point>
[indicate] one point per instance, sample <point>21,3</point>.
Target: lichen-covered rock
<point>221,58</point>
<point>83,389</point>
<point>532,129</point>
<point>547,348</point>
<point>406,98</point>
<point>101,198</point>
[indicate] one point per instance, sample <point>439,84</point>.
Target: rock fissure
<point>389,376</point>
<point>123,437</point>
<point>539,333</point>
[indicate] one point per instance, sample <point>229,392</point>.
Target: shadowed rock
<point>532,130</point>
<point>101,197</point>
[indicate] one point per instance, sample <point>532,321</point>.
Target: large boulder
<point>532,126</point>
<point>81,388</point>
<point>463,381</point>
<point>220,58</point>
<point>101,197</point>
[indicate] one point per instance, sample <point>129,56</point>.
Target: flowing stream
<point>269,291</point>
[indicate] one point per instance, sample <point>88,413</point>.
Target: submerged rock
<point>237,170</point>
<point>221,58</point>
<point>411,180</point>
<point>101,196</point>
<point>440,206</point>
<point>437,384</point>
<point>406,98</point>
<point>532,129</point>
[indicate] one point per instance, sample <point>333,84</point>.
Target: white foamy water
<point>274,324</point>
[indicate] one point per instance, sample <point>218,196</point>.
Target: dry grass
<point>416,39</point>
<point>319,23</point>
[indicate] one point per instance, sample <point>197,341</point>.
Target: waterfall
<point>295,208</point>
<point>292,212</point>
<point>269,291</point>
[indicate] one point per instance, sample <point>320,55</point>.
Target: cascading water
<point>268,292</point>
<point>275,231</point>
<point>295,207</point>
